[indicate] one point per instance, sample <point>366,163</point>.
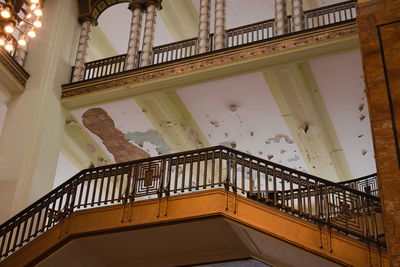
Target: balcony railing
<point>264,30</point>
<point>367,184</point>
<point>314,199</point>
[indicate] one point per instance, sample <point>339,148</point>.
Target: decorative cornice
<point>13,67</point>
<point>214,59</point>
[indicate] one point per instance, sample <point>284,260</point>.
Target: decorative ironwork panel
<point>147,178</point>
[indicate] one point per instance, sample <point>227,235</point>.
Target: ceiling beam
<point>79,147</point>
<point>172,120</point>
<point>181,18</point>
<point>301,105</point>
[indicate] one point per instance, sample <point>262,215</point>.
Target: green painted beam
<point>299,99</point>
<point>172,120</point>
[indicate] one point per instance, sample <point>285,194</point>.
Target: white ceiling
<point>340,79</point>
<point>256,127</point>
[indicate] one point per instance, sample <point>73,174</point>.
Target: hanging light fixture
<point>19,21</point>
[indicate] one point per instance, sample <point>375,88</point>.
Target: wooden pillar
<point>81,54</point>
<point>379,34</point>
<point>281,22</point>
<point>298,22</point>
<point>134,37</point>
<point>219,24</point>
<point>204,26</point>
<point>149,28</point>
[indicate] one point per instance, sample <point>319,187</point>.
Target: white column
<point>204,26</point>
<point>148,38</point>
<point>31,136</point>
<point>81,54</point>
<point>219,25</point>
<point>134,37</point>
<point>281,25</point>
<point>298,23</point>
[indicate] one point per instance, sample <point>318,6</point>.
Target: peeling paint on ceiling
<point>153,138</point>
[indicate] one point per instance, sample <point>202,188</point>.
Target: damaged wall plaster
<point>101,124</point>
<point>151,136</point>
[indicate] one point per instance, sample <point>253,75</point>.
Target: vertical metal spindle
<point>300,193</point>
<point>291,191</point>
<point>266,182</point>
<point>191,172</point>
<point>94,188</point>
<point>205,170</point>
<point>176,175</point>
<point>183,173</point>
<point>213,169</point>
<point>251,176</point>
<point>198,171</point>
<point>309,197</point>
<point>283,187</point>
<point>274,182</point>
<point>220,169</point>
<point>243,175</point>
<point>258,180</point>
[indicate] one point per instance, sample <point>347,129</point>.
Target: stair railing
<point>320,201</point>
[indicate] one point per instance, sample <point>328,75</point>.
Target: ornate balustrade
<point>320,201</point>
<point>247,34</point>
<point>367,184</point>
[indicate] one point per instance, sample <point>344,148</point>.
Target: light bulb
<point>5,13</point>
<point>32,7</point>
<point>9,47</point>
<point>34,1</point>
<point>38,12</point>
<point>32,34</point>
<point>37,24</point>
<point>2,42</point>
<point>9,28</point>
<point>29,16</point>
<point>22,41</point>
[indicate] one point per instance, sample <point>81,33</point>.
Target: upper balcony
<point>240,44</point>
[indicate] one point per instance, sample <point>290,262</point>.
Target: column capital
<point>144,3</point>
<point>87,19</point>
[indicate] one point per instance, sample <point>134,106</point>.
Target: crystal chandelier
<point>19,21</point>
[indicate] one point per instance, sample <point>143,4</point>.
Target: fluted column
<point>298,22</point>
<point>281,22</point>
<point>149,28</point>
<point>134,37</point>
<point>79,68</point>
<point>204,26</point>
<point>219,25</point>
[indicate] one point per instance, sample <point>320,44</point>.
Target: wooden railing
<point>302,195</point>
<point>264,30</point>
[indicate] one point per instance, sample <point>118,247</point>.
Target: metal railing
<point>264,30</point>
<point>367,184</point>
<point>297,193</point>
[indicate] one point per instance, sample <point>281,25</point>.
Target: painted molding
<point>212,65</point>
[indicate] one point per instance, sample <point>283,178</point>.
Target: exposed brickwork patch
<point>101,124</point>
